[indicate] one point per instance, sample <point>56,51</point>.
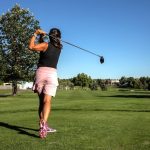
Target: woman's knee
<point>47,98</point>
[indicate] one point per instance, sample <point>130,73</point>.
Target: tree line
<point>82,80</point>
<point>135,83</point>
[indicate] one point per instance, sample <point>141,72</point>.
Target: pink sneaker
<point>49,130</point>
<point>43,130</point>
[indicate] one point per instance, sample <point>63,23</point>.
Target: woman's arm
<point>37,47</point>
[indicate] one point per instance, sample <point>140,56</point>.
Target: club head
<point>101,59</point>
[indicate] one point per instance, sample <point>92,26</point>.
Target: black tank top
<point>49,58</point>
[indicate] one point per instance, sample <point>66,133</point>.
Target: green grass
<point>85,120</point>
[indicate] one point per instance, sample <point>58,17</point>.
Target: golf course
<point>85,120</point>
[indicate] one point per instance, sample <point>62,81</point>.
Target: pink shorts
<point>46,81</point>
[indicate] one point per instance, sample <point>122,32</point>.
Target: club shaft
<point>78,47</point>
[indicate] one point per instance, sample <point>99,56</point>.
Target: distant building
<point>6,86</point>
<point>22,85</point>
<point>114,81</point>
<point>25,85</point>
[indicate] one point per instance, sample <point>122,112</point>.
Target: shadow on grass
<point>78,109</point>
<point>21,130</point>
<point>128,96</point>
<point>18,110</point>
<point>99,109</point>
<point>5,95</point>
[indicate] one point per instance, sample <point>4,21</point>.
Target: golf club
<point>46,38</point>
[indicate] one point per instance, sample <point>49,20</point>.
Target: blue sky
<point>117,29</point>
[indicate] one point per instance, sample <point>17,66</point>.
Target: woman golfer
<point>46,81</point>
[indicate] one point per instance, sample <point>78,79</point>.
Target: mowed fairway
<point>85,120</point>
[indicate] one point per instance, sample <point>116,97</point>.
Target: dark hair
<point>55,36</point>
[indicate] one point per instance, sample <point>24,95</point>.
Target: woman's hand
<point>39,31</point>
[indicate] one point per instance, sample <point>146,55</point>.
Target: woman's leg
<point>44,111</point>
<point>41,97</point>
<point>46,107</point>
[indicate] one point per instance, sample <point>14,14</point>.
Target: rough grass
<point>85,120</point>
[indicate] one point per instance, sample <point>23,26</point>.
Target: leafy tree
<point>144,82</point>
<point>94,85</point>
<point>148,82</point>
<point>108,82</point>
<point>131,82</point>
<point>123,82</point>
<point>82,80</point>
<point>137,84</point>
<point>63,83</point>
<point>2,65</point>
<point>16,28</point>
<point>102,84</point>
